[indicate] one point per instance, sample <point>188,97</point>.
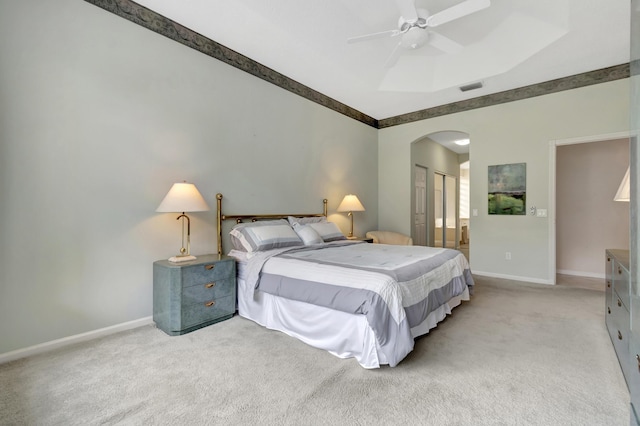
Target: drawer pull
<point>608,259</point>
<point>210,285</point>
<point>608,284</point>
<point>608,310</point>
<point>619,302</point>
<point>619,270</point>
<point>638,360</point>
<point>619,335</point>
<point>209,267</point>
<point>213,302</point>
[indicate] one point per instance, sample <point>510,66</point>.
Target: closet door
<point>438,210</point>
<point>420,215</point>
<point>450,216</point>
<point>445,194</point>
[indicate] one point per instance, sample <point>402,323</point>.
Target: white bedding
<point>343,334</point>
<point>339,333</point>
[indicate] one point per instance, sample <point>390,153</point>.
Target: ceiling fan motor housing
<point>415,37</point>
<point>415,33</point>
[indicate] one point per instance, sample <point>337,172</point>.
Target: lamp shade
<point>183,197</point>
<point>350,203</point>
<point>624,192</point>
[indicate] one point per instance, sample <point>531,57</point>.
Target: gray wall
<point>98,118</point>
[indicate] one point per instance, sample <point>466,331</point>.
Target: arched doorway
<point>436,184</point>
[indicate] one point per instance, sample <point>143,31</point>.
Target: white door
<point>420,216</point>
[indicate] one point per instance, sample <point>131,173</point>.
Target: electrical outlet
<point>507,255</point>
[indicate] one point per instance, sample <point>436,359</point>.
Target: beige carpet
<point>517,354</point>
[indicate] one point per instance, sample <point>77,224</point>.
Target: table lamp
<point>624,191</point>
<point>350,203</point>
<point>182,198</point>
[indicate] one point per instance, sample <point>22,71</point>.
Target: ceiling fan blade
<point>444,43</point>
<point>390,33</point>
<point>408,10</point>
<point>395,55</point>
<point>458,11</point>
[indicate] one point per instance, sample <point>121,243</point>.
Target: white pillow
<point>306,220</point>
<point>308,235</point>
<point>264,235</point>
<point>329,231</point>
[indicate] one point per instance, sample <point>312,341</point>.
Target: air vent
<point>472,86</point>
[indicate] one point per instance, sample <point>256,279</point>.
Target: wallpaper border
<point>155,22</point>
<point>603,75</point>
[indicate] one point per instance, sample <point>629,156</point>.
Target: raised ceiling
<point>509,45</point>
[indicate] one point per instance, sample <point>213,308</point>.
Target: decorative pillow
<point>264,235</point>
<point>329,231</point>
<point>306,220</point>
<point>308,235</point>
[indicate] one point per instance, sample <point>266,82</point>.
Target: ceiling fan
<point>414,27</point>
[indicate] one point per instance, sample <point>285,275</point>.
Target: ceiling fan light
<point>415,37</point>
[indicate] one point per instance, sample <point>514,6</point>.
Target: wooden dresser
<point>194,294</point>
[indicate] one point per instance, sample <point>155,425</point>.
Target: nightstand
<point>195,294</point>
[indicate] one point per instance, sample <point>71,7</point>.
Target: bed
<point>298,274</point>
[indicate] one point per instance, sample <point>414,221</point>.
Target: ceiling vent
<point>471,86</point>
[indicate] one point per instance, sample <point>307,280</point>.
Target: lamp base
<point>181,258</point>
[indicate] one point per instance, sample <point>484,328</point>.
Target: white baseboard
<point>54,344</point>
<point>580,273</point>
<point>513,277</point>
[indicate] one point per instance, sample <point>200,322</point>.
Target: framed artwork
<point>508,189</point>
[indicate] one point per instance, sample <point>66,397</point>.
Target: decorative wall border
<point>153,21</point>
<point>558,85</point>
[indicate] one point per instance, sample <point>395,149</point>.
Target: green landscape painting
<point>508,189</point>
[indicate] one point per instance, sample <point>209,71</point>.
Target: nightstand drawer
<point>210,290</point>
<point>207,272</point>
<point>208,311</point>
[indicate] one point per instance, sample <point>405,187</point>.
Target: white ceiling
<point>511,44</point>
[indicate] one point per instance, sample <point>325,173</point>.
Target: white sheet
<point>341,334</point>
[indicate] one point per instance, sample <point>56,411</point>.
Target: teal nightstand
<point>195,294</point>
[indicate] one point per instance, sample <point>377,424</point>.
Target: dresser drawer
<point>207,291</point>
<point>202,313</point>
<point>619,331</point>
<point>621,284</point>
<point>207,272</point>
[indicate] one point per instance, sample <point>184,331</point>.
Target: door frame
<point>553,146</point>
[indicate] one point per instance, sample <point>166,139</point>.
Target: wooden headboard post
<point>254,217</point>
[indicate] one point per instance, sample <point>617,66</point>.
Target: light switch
<point>475,212</point>
<point>541,213</point>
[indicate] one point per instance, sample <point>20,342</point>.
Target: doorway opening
<point>436,186</point>
<point>586,220</point>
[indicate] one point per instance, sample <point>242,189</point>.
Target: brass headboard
<point>253,217</point>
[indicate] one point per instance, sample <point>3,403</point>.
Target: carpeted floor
<point>517,354</point>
